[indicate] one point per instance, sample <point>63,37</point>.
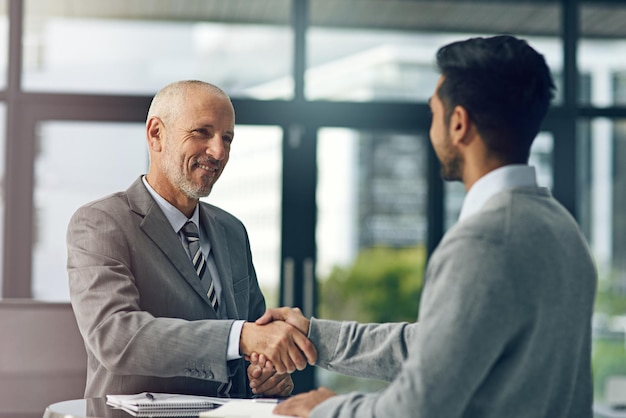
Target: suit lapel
<point>156,226</point>
<point>221,255</point>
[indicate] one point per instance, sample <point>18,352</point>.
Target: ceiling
<point>538,18</point>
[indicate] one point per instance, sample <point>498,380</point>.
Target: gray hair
<point>166,104</point>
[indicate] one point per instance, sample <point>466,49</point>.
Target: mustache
<point>207,161</point>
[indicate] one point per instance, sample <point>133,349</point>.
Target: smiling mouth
<point>210,168</point>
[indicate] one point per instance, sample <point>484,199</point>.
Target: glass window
<point>600,54</point>
<point>137,47</point>
<point>603,201</point>
<point>76,162</point>
<point>371,230</point>
<point>384,51</point>
<point>364,65</point>
<point>250,188</point>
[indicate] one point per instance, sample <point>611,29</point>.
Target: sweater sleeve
<point>374,351</point>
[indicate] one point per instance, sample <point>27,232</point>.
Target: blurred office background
<point>331,169</point>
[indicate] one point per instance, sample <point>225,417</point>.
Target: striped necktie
<point>193,244</point>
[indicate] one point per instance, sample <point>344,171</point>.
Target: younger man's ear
<point>459,124</point>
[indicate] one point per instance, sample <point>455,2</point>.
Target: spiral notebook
<point>164,404</point>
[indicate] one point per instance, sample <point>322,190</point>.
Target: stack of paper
<point>164,404</point>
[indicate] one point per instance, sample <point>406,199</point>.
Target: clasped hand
<point>280,335</point>
<point>263,371</point>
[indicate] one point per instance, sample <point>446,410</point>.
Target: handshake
<point>276,345</point>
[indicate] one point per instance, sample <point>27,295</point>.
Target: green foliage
<point>382,285</point>
<point>609,347</point>
<point>610,298</point>
<point>608,359</point>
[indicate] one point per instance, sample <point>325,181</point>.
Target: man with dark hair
<point>505,318</point>
<point>506,98</point>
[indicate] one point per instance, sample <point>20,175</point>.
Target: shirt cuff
<point>232,352</point>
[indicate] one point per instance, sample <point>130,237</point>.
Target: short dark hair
<point>504,85</point>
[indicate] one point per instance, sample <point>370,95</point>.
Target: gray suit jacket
<point>146,321</point>
<point>504,324</point>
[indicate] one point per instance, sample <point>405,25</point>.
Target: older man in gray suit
<point>163,285</point>
<point>505,318</point>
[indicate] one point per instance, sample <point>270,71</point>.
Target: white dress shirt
<point>494,182</point>
<point>177,219</point>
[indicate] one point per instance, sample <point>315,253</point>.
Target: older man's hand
<point>265,381</point>
<point>284,345</point>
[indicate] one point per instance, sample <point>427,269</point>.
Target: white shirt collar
<point>494,182</point>
<point>176,218</point>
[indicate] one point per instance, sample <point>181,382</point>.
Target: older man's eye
<point>201,132</point>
